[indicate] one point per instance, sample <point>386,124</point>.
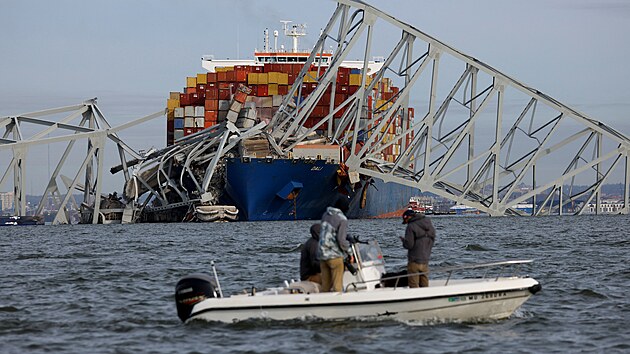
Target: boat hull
<point>301,189</point>
<point>478,300</point>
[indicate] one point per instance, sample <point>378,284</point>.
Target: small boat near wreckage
<point>369,293</point>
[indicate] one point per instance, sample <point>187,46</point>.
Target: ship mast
<point>296,31</point>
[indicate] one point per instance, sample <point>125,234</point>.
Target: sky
<point>130,54</point>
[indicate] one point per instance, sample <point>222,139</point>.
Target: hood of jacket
<point>315,230</point>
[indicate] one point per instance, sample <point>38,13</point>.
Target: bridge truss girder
<point>476,142</point>
<point>92,127</point>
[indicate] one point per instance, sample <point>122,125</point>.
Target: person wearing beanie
<point>333,245</point>
<point>309,258</point>
<point>418,240</point>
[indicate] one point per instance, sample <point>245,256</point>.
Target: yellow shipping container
<point>283,78</point>
<point>202,78</point>
<point>273,77</point>
<point>174,95</point>
<point>272,89</point>
<point>171,104</point>
<point>191,82</point>
<point>170,115</point>
<point>263,79</point>
<point>252,78</point>
<point>355,79</point>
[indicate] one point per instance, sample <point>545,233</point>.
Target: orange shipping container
<point>211,115</point>
<point>211,104</point>
<point>222,76</point>
<point>211,77</point>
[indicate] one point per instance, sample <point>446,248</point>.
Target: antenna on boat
<point>266,40</point>
<point>216,278</point>
<point>275,40</point>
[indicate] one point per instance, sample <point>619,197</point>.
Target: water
<point>109,289</point>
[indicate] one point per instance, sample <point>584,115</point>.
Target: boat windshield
<point>370,254</point>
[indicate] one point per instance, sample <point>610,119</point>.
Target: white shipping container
<point>179,112</point>
<point>189,122</point>
<point>199,122</point>
<point>189,111</point>
<point>267,102</point>
<point>277,100</point>
<point>200,111</point>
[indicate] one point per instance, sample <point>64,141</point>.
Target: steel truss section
<point>477,141</point>
<point>93,128</point>
<point>186,173</point>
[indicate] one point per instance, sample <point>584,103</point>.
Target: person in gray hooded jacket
<point>418,240</point>
<point>333,245</point>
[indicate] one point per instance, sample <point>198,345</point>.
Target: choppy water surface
<point>110,288</point>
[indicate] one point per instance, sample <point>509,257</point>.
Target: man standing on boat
<point>418,240</point>
<point>309,257</point>
<point>333,245</point>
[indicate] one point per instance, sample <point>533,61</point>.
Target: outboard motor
<point>191,290</point>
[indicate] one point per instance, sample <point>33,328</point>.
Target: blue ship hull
<point>287,189</point>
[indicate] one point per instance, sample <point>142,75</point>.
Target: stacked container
<point>206,100</point>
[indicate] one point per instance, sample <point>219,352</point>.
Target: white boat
<point>371,293</point>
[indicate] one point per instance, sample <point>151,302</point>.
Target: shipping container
<point>199,122</point>
<point>191,82</point>
<point>172,103</point>
<point>189,122</point>
<point>252,79</point>
<point>178,133</point>
<point>178,123</point>
<point>211,78</point>
<point>202,78</point>
<point>211,115</point>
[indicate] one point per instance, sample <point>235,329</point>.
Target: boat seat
<point>305,287</point>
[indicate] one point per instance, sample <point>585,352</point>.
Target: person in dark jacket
<point>309,258</point>
<point>418,240</point>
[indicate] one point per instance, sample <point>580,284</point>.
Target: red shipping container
<point>258,69</point>
<point>201,87</point>
<point>240,76</point>
<point>324,100</point>
<point>291,78</point>
<point>296,68</point>
<point>211,115</point>
<point>212,104</point>
<point>339,98</point>
<point>191,90</point>
<point>212,93</point>
<point>188,131</point>
<point>224,85</point>
<point>209,123</point>
<point>240,96</point>
<point>225,94</point>
<point>340,113</point>
<point>343,79</point>
<point>283,90</point>
<point>352,89</point>
<point>344,71</point>
<point>221,76</point>
<point>170,125</point>
<point>211,77</point>
<point>197,99</point>
<point>387,95</point>
<point>262,90</point>
<point>184,99</point>
<point>342,89</point>
<point>229,76</point>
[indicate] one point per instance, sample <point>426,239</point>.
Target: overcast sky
<point>130,54</point>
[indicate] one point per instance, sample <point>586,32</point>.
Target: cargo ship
<point>264,186</point>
